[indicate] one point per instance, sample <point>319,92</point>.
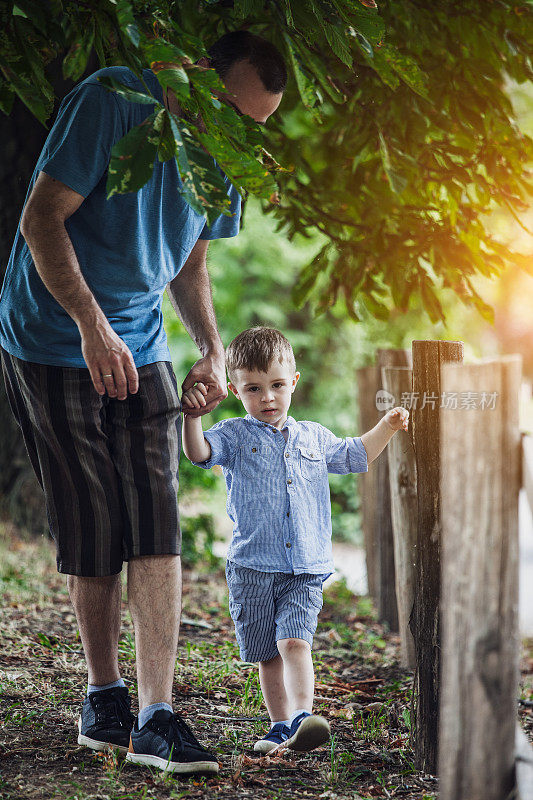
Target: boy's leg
<point>299,678</point>
<point>298,602</point>
<point>273,688</point>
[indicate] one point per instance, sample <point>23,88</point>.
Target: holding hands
<point>397,418</point>
<point>195,398</point>
<point>205,386</point>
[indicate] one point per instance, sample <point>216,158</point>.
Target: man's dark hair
<point>246,46</point>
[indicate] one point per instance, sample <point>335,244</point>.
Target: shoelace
<point>179,732</point>
<point>112,705</point>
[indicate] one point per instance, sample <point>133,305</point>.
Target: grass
<point>360,688</point>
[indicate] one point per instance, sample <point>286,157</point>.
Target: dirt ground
<point>360,688</point>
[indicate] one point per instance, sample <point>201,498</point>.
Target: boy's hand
<point>211,372</point>
<point>194,398</point>
<point>397,418</point>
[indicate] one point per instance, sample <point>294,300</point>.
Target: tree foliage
<point>396,135</point>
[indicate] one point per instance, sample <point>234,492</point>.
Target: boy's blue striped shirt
<point>278,490</point>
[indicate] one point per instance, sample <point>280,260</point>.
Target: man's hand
<point>207,379</point>
<point>109,360</point>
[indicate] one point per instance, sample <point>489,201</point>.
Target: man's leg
<point>154,598</point>
<point>96,603</point>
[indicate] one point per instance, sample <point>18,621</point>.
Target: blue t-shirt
<point>128,247</point>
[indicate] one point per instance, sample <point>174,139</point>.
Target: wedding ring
<point>107,376</point>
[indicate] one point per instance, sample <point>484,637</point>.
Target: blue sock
<point>93,688</point>
<point>148,712</point>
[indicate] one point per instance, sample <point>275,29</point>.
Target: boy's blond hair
<point>256,348</point>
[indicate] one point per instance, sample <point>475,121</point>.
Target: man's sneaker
<point>167,742</point>
<point>277,734</point>
<point>106,720</point>
<point>307,732</point>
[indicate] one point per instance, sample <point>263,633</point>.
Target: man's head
<point>253,72</point>
<point>262,373</point>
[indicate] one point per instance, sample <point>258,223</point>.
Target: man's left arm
<point>190,294</point>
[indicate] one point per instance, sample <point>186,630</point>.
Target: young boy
<point>276,472</point>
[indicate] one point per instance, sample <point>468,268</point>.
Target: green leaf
<point>175,79</point>
<point>127,92</point>
<point>162,55</point>
<point>33,11</point>
<point>407,68</point>
<point>39,105</point>
<point>364,44</point>
<point>75,62</point>
<point>126,20</point>
<point>7,98</point>
<point>377,309</point>
<point>396,181</point>
<point>205,79</point>
<point>25,34</point>
<point>338,43</point>
<point>167,144</point>
<point>486,311</point>
<point>309,275</point>
<point>246,8</point>
<point>203,185</point>
<point>305,85</point>
<point>242,168</point>
<point>430,301</point>
<point>132,158</point>
<point>326,81</point>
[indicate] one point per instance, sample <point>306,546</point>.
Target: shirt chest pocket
<point>312,464</point>
<point>254,460</point>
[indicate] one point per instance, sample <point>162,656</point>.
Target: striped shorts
<point>268,606</point>
<point>108,467</point>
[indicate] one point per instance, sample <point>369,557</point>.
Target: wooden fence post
<point>428,356</point>
<point>375,494</point>
<point>480,481</point>
<point>397,381</point>
<point>387,605</point>
<point>367,382</point>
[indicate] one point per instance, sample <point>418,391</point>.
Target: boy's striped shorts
<point>108,467</point>
<point>268,606</point>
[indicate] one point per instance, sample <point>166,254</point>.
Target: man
<point>89,380</point>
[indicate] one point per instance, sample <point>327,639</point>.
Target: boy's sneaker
<point>167,742</point>
<point>277,734</point>
<point>307,732</point>
<point>106,720</point>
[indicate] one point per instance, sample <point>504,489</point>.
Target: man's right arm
<point>49,205</point>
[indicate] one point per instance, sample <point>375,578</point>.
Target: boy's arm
<point>195,445</point>
<point>376,439</point>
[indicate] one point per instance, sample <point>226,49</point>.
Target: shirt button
<point>286,455</point>
<point>288,544</point>
<point>288,513</point>
<point>289,481</point>
<point>254,449</point>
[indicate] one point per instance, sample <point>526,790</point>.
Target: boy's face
<point>266,396</point>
